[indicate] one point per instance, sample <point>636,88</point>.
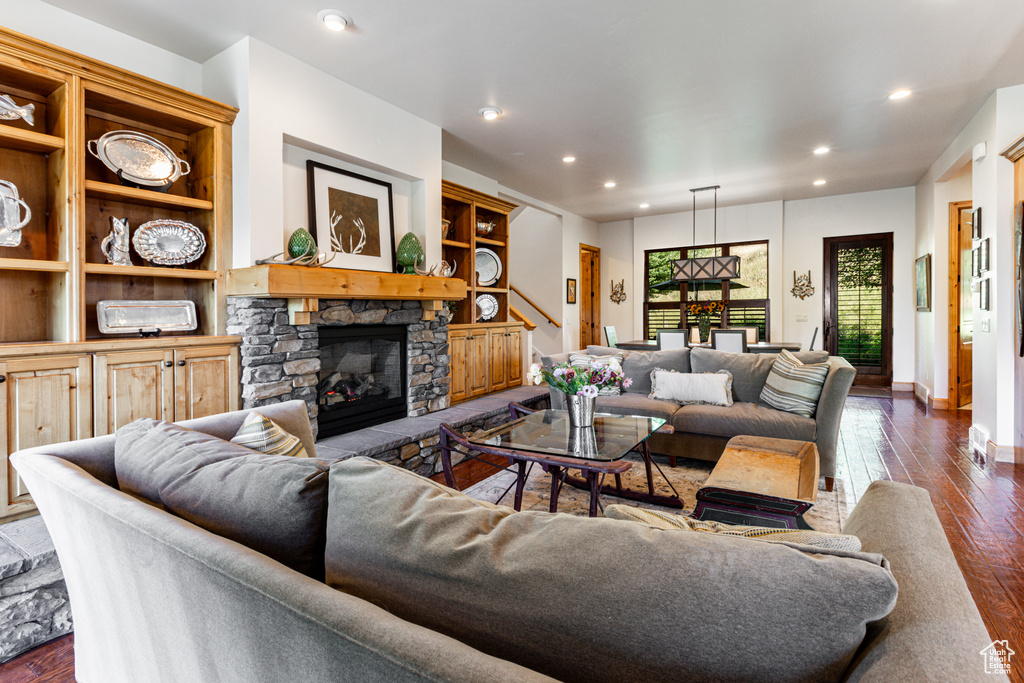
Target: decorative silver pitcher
<point>11,220</point>
<point>115,245</point>
<point>581,410</point>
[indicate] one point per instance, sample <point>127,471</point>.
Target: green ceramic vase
<point>301,243</point>
<point>410,253</point>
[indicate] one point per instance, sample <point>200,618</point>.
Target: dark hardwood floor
<point>981,505</point>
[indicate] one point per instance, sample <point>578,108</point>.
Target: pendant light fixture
<point>704,268</point>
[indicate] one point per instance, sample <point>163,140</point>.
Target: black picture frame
<point>570,290</point>
<point>976,262</point>
<point>321,179</point>
<point>983,302</point>
<point>983,256</point>
<point>976,223</point>
<point>923,283</point>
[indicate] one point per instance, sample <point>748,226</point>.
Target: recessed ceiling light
<point>821,150</point>
<point>568,160</point>
<point>334,19</point>
<point>645,206</point>
<point>899,94</point>
<point>609,184</point>
<point>819,182</point>
<point>490,113</point>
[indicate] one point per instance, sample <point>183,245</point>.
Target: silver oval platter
<point>488,267</point>
<point>487,306</point>
<point>169,243</point>
<point>139,158</point>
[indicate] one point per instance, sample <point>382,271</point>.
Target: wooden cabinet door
<point>496,341</point>
<point>206,381</point>
<point>43,400</point>
<point>514,356</point>
<point>479,359</point>
<point>458,349</point>
<point>130,385</point>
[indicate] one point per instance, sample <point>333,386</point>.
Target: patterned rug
<point>828,514</point>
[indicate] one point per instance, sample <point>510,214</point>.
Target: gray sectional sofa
<point>701,431</point>
<point>157,598</point>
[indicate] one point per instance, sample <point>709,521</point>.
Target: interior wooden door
<point>962,300</point>
<point>205,381</point>
<point>858,304</point>
<point>589,295</point>
<point>130,385</point>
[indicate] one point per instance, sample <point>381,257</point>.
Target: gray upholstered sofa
<point>701,431</point>
<point>156,598</point>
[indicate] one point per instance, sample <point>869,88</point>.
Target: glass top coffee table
<point>545,437</point>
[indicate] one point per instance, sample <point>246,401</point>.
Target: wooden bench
<point>761,482</point>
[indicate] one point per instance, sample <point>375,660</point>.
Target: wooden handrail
<point>518,315</point>
<point>539,309</point>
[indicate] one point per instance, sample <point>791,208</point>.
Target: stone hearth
<point>280,361</point>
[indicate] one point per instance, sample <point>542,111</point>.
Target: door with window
<point>858,305</point>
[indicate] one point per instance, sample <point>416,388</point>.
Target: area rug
<point>828,514</point>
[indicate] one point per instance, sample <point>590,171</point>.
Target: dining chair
<point>752,333</point>
<point>732,340</point>
<point>610,336</point>
<point>672,339</point>
<point>813,338</point>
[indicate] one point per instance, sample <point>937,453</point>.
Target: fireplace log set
<point>339,387</point>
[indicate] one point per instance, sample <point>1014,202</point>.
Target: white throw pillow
<point>686,388</point>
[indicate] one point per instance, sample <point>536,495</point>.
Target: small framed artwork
<point>976,262</point>
<point>923,282</point>
<point>570,290</point>
<point>352,216</point>
<point>976,222</point>
<point>983,304</point>
<point>983,256</point>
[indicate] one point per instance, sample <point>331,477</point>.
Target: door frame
<point>884,379</point>
<point>595,299</point>
<point>954,304</point>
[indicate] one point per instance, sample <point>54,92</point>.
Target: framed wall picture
<point>351,215</point>
<point>923,282</point>
<point>570,290</point>
<point>983,304</point>
<point>976,223</point>
<point>983,255</point>
<point>976,262</point>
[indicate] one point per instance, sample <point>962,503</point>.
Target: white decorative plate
<point>487,306</point>
<point>169,243</point>
<point>488,267</point>
<point>141,159</point>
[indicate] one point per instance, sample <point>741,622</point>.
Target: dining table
<point>759,347</point>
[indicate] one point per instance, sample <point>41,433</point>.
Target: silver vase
<point>581,410</point>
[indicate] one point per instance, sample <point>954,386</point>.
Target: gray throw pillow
<point>749,370</point>
<point>273,504</point>
<point>638,366</point>
<point>592,599</point>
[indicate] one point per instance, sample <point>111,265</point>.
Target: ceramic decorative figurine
<point>115,245</point>
<point>301,243</point>
<point>410,253</point>
<point>9,111</point>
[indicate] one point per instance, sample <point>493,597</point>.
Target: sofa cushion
<point>584,599</point>
<point>692,388</point>
<point>794,386</point>
<point>262,434</point>
<point>274,504</point>
<point>638,366</point>
<point>634,404</point>
<point>743,418</point>
<point>749,370</point>
<point>595,350</point>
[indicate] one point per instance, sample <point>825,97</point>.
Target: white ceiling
<point>657,95</point>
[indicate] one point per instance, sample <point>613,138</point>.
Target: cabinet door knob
<point>181,363</point>
<point>3,378</point>
<point>168,363</point>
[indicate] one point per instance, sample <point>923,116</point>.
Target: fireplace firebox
<point>362,379</point>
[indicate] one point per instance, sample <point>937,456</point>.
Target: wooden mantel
<point>303,287</point>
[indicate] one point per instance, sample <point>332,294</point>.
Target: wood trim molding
<point>469,195</point>
<point>939,403</point>
<point>299,282</point>
<point>1015,151</point>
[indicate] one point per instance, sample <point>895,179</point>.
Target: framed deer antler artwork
<point>352,216</point>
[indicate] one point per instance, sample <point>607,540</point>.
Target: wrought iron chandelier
<point>704,268</point>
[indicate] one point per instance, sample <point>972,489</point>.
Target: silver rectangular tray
<point>135,317</point>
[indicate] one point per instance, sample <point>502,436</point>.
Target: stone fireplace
<point>281,361</point>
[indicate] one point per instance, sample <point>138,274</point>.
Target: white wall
<point>286,102</point>
<point>86,37</point>
<point>616,240</point>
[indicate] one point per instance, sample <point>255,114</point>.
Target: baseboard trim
<point>902,386</point>
<point>939,403</point>
<point>999,453</point>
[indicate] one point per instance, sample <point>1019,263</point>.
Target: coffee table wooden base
<point>617,490</point>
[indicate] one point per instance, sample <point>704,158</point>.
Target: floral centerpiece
<point>703,312</point>
<point>581,384</point>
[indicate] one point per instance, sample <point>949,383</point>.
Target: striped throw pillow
<point>667,520</point>
<point>262,434</point>
<point>582,360</point>
<point>793,386</point>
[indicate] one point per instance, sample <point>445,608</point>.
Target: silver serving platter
<point>487,306</point>
<point>140,158</point>
<point>134,317</point>
<point>488,267</point>
<point>169,243</point>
